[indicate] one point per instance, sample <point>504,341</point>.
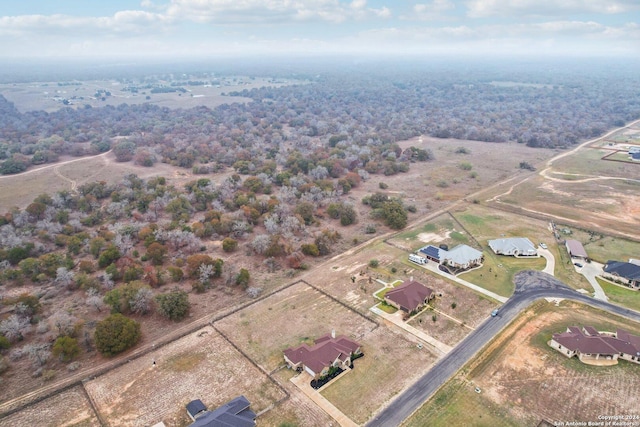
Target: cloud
<point>435,10</point>
<point>123,22</point>
<point>272,11</point>
<point>548,8</point>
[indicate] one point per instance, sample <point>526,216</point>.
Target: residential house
<point>575,249</point>
<point>625,272</point>
<point>593,347</point>
<point>513,246</point>
<point>235,413</point>
<point>461,257</point>
<point>410,296</point>
<point>327,351</point>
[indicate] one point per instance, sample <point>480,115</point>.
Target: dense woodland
<point>290,156</point>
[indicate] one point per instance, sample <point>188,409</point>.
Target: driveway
<point>302,381</point>
<point>590,271</point>
<point>551,260</point>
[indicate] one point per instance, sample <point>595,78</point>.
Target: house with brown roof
<point>326,352</point>
<point>410,296</point>
<point>575,249</point>
<point>593,347</point>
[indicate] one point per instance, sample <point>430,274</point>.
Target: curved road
<point>530,286</point>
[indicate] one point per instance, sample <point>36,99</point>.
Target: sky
<point>61,29</point>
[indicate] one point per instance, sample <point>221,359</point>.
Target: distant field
<point>48,96</point>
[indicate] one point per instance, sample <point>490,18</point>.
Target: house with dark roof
<point>593,347</point>
<point>410,296</point>
<point>575,249</point>
<point>235,413</point>
<point>513,246</point>
<point>627,273</point>
<point>462,256</point>
<point>326,352</point>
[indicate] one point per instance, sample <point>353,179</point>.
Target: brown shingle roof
<point>323,353</point>
<point>409,295</point>
<point>576,248</point>
<point>590,341</point>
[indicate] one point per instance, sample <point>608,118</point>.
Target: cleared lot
<point>202,365</point>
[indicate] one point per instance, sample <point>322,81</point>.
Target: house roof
<point>576,248</point>
<point>409,295</point>
<point>589,341</point>
<point>522,244</point>
<point>235,413</point>
<point>323,353</point>
<point>195,406</point>
<point>627,270</point>
<point>462,254</point>
<point>432,251</point>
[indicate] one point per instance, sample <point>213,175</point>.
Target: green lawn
<point>387,308</point>
<point>457,404</point>
<point>496,275</point>
<point>621,296</point>
<point>609,248</point>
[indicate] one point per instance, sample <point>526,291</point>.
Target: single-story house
<point>634,149</point>
<point>462,256</point>
<point>590,345</point>
<point>575,249</point>
<point>513,246</point>
<point>327,351</point>
<point>635,156</point>
<point>409,296</point>
<point>626,272</point>
<point>235,413</point>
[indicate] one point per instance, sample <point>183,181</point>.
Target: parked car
<point>543,245</point>
<point>494,313</point>
<point>577,264</point>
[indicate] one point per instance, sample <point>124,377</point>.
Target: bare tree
<point>261,243</point>
<point>64,277</point>
<point>141,301</point>
<point>63,322</point>
<point>94,299</point>
<point>254,292</point>
<point>14,327</point>
<point>38,353</point>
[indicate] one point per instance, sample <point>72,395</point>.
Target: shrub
<point>465,166</point>
<point>310,249</point>
<point>173,305</point>
<point>374,263</point>
<point>115,334</point>
<point>382,186</point>
<point>229,244</point>
<point>66,348</point>
<point>243,278</point>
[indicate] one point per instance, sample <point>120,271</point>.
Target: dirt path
<point>57,165</point>
<point>74,184</point>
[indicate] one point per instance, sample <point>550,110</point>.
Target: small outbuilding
<point>575,249</point>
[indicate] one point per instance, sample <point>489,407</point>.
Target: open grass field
<point>496,274</point>
<point>48,96</point>
<point>581,189</point>
<point>392,361</point>
<point>289,318</point>
<point>457,404</point>
<point>69,408</point>
<point>20,190</point>
<point>443,328</point>
<point>619,295</point>
<point>202,365</point>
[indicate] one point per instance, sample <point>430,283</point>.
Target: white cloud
<point>549,8</point>
<point>435,10</point>
<point>272,11</point>
<point>124,22</point>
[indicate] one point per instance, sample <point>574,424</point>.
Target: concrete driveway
<point>590,271</point>
<point>551,260</point>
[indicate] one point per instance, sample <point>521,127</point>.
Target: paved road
<point>530,286</point>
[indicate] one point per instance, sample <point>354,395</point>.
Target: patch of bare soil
<point>443,329</point>
<point>69,408</point>
<point>533,380</point>
<point>202,365</point>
